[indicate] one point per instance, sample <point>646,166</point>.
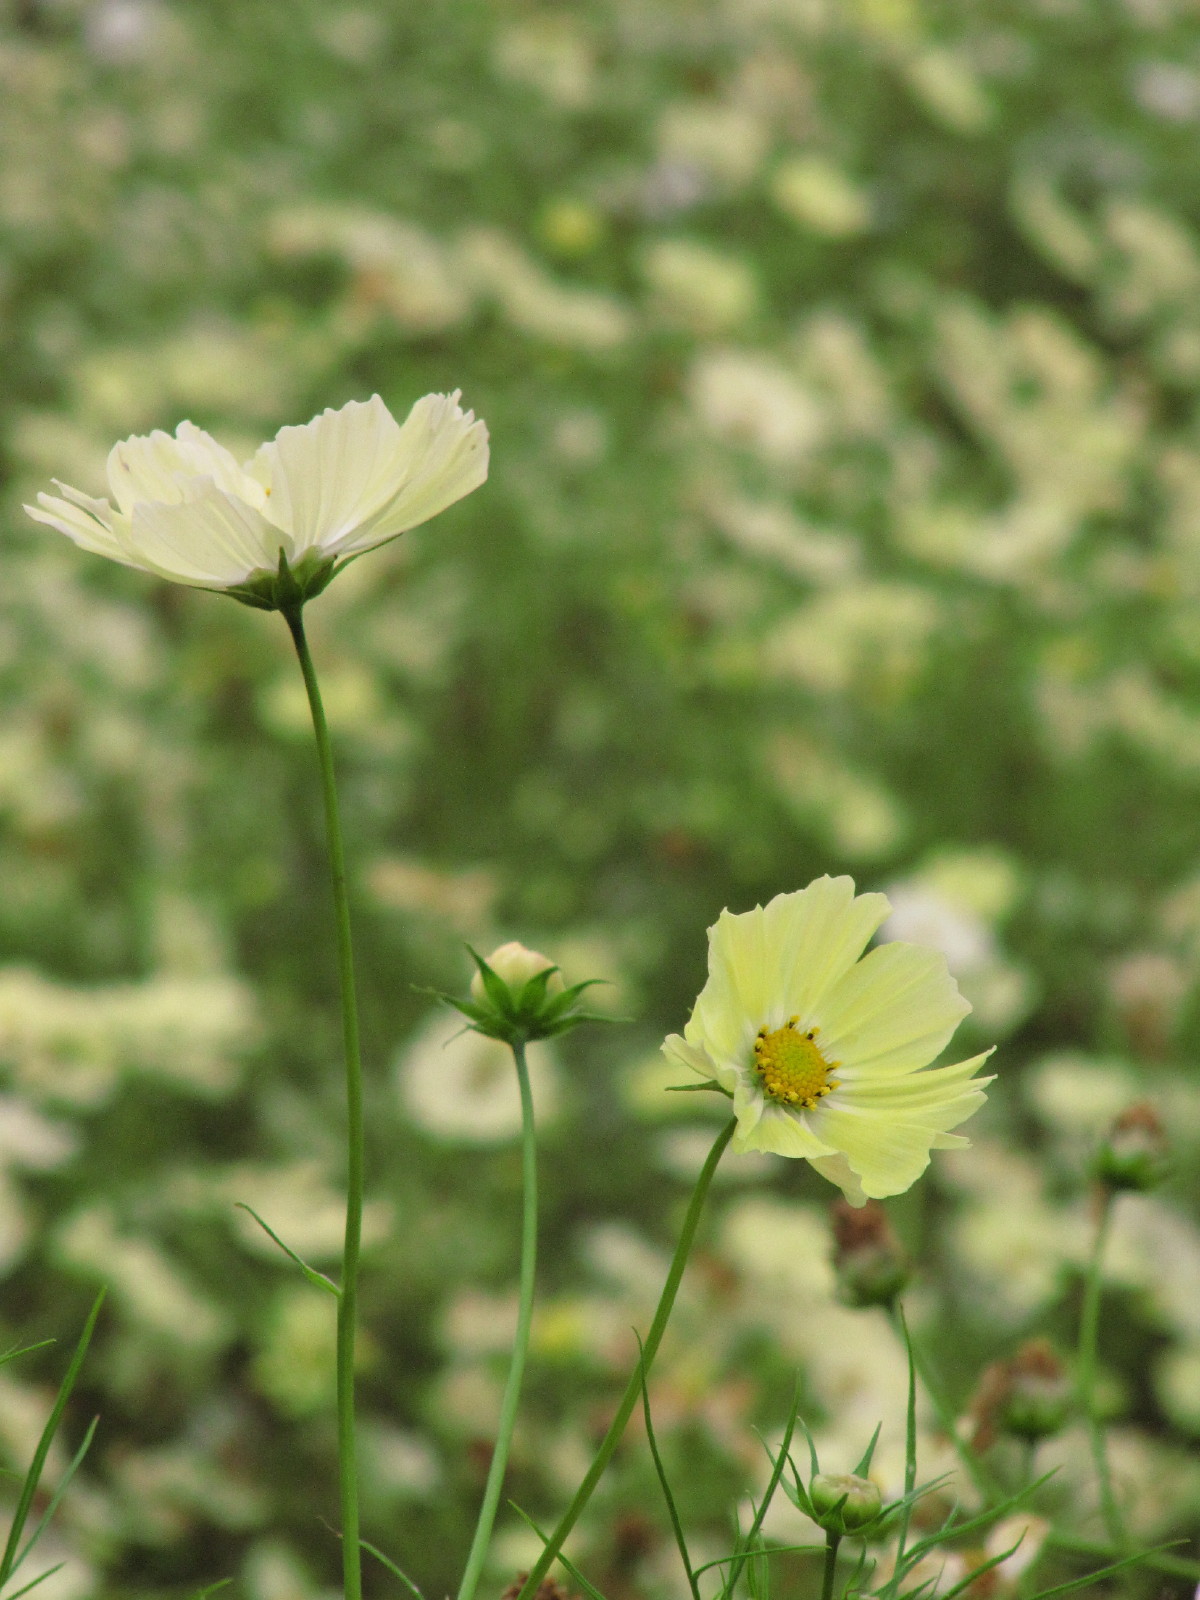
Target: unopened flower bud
<point>1134,1153</point>
<point>515,964</point>
<point>871,1264</point>
<point>1027,1396</point>
<point>518,995</point>
<point>843,1502</point>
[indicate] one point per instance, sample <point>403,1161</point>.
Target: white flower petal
<point>445,454</point>
<point>211,540</point>
<point>88,522</point>
<point>353,478</point>
<point>893,1012</point>
<point>155,467</point>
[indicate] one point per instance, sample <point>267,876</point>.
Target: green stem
<point>512,1389</point>
<point>971,1463</point>
<point>634,1387</point>
<point>832,1540</point>
<point>1089,1335</point>
<point>347,1319</point>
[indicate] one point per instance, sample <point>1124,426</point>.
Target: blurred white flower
<point>461,1087</point>
<point>341,484</point>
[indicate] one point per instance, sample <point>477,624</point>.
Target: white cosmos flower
<point>312,496</point>
<point>826,1055</point>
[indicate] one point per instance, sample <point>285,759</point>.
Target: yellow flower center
<point>791,1066</point>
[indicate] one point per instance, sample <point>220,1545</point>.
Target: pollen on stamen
<point>791,1067</point>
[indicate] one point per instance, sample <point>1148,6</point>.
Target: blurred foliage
<point>841,359</point>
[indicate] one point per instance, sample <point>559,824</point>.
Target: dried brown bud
<point>1135,1153</point>
<point>1027,1396</point>
<point>871,1264</point>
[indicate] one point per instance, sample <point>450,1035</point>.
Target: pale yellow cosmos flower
<point>828,1056</point>
<point>184,509</point>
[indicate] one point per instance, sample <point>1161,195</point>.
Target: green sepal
<point>696,1088</point>
<point>287,588</point>
<point>523,1016</point>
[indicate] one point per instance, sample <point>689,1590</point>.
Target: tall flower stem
<point>1089,1335</point>
<point>633,1388</point>
<point>516,1371</point>
<point>347,1318</point>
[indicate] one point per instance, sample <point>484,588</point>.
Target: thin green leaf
<point>221,1583</point>
<point>814,1464</point>
<point>864,1466</point>
<point>317,1279</point>
<point>799,1494</point>
<point>568,1566</point>
<point>36,1466</point>
<point>772,1485</point>
<point>33,1583</point>
<point>977,1572</point>
<point>664,1485</point>
<point>1104,1572</point>
<point>72,1468</point>
<point>697,1088</point>
<point>391,1566</point>
<point>23,1350</point>
<point>777,1549</point>
<point>993,1514</point>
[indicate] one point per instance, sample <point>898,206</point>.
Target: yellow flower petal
<point>887,1131</point>
<point>781,1132</point>
<point>772,962</point>
<point>893,1012</point>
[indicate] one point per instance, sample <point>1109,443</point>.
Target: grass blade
<point>52,1507</point>
<point>568,1566</point>
<point>41,1578</point>
<point>772,1485</point>
<point>392,1568</point>
<point>37,1465</point>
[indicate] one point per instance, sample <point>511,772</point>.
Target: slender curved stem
<point>633,1388</point>
<point>832,1540</point>
<point>971,1463</point>
<point>1089,1335</point>
<point>512,1389</point>
<point>347,1319</point>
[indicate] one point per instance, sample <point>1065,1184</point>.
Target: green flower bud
<point>1134,1154</point>
<point>843,1502</point>
<point>518,995</point>
<point>872,1265</point>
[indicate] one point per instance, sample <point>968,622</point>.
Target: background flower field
<point>841,360</point>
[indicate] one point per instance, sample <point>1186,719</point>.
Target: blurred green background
<point>841,360</point>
